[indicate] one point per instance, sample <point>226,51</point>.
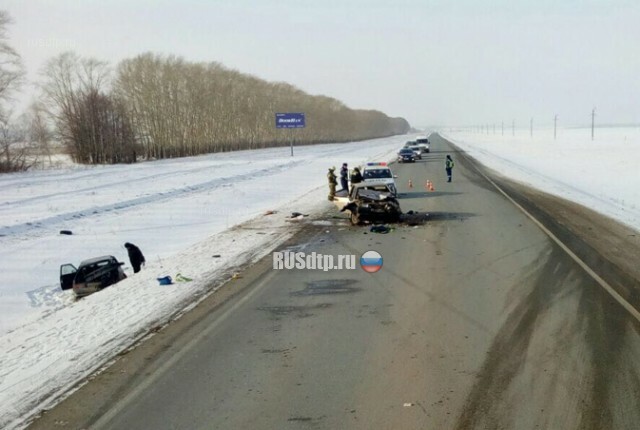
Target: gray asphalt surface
<point>476,321</point>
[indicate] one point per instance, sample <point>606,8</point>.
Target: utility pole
<point>531,125</point>
<point>503,127</point>
<point>513,127</point>
<point>555,124</point>
<point>593,120</point>
<point>494,128</point>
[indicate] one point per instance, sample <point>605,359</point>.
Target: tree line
<point>156,106</point>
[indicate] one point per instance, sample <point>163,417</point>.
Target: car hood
<point>373,195</point>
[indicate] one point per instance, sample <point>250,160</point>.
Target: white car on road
<point>423,143</point>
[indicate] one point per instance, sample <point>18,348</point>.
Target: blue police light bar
<point>381,163</point>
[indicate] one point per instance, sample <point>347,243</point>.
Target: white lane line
<point>108,416</point>
<point>608,288</point>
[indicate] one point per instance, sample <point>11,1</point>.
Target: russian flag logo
<point>371,261</point>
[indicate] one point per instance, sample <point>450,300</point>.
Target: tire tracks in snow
<point>45,224</point>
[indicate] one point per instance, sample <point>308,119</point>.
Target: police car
<point>379,173</point>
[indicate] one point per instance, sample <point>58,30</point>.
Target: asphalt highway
<point>477,320</point>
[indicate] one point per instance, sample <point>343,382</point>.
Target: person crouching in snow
<point>135,256</point>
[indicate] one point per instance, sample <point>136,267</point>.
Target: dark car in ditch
<point>92,275</point>
<point>373,204</point>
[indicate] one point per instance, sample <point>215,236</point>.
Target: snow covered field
<point>187,216</point>
<point>602,174</point>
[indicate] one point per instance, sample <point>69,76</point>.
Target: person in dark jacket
<point>356,176</point>
<point>135,256</point>
<point>344,177</point>
<point>331,176</point>
<point>448,165</point>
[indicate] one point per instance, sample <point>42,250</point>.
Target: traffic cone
<point>410,183</point>
<point>429,186</point>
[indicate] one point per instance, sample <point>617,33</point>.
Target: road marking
<point>108,416</point>
<point>604,284</point>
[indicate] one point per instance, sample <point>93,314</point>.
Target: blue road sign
<point>290,120</point>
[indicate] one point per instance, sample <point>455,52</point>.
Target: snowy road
<point>186,215</point>
<point>477,320</point>
<point>51,342</point>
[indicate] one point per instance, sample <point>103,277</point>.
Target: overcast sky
<point>433,62</point>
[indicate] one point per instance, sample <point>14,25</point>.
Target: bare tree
<point>179,108</point>
<point>164,106</point>
<point>38,129</point>
<point>90,121</point>
<point>11,69</point>
<point>13,146</point>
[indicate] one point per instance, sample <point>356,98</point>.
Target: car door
<point>67,274</point>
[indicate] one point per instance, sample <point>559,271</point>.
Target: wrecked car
<point>372,203</point>
<point>92,275</point>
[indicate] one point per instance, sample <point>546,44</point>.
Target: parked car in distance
<point>92,275</point>
<point>379,173</point>
<point>423,142</point>
<point>406,155</point>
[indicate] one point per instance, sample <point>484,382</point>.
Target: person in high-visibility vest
<point>448,164</point>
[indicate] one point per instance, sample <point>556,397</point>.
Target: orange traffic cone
<point>410,183</point>
<point>430,186</point>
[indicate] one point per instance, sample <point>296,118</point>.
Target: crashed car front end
<point>385,207</point>
<point>373,206</point>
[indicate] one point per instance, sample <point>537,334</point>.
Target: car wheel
<point>355,218</point>
<point>105,280</point>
